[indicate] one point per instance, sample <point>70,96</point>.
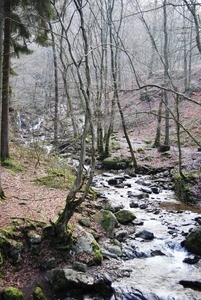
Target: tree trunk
<point>72,201</point>
<point>157,141</point>
<point>56,93</point>
<point>5,82</point>
<point>166,76</point>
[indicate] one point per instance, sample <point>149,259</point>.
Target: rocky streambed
<point>146,256</point>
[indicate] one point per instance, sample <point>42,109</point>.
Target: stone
<point>191,284</point>
<point>191,260</point>
<point>87,248</point>
<point>133,204</point>
<point>79,266</point>
<point>11,293</point>
<point>33,237</point>
<point>115,249</point>
<point>125,216</point>
<point>38,294</point>
<point>146,190</point>
<point>145,235</point>
<point>193,240</point>
<point>121,235</point>
<point>48,264</point>
<point>77,283</point>
<point>143,206</point>
<point>85,222</point>
<point>107,221</point>
<point>155,189</point>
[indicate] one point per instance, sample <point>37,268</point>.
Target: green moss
<point>115,145</point>
<point>11,293</point>
<point>183,188</point>
<point>148,158</point>
<point>8,232</point>
<point>38,294</point>
<point>57,178</point>
<point>15,166</point>
<point>117,163</point>
<point>1,259</point>
<point>124,216</point>
<point>140,150</point>
<point>98,256</point>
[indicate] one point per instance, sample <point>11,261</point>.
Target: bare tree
<point>72,200</point>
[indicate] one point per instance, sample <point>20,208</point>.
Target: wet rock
<point>191,260</point>
<point>198,220</point>
<point>107,221</point>
<point>193,240</point>
<point>133,204</point>
<point>143,206</point>
<point>155,190</point>
<point>121,235</point>
<point>114,181</point>
<point>77,283</point>
<point>138,222</point>
<point>191,284</point>
<point>145,235</point>
<point>157,253</point>
<point>125,216</point>
<point>131,293</point>
<point>135,194</point>
<point>146,190</point>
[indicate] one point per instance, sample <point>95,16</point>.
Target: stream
<point>154,267</point>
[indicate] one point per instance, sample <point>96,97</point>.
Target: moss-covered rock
<point>86,248</point>
<point>78,283</point>
<point>125,216</point>
<point>107,221</point>
<point>117,163</point>
<point>38,294</point>
<point>85,222</point>
<point>183,188</point>
<point>11,293</point>
<point>193,240</point>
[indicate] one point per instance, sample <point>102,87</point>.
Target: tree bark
<point>5,82</point>
<point>56,93</point>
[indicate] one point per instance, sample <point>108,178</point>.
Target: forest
<point>87,87</point>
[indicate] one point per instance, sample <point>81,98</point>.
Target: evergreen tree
<point>23,19</point>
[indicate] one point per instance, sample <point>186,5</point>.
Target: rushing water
<point>157,274</point>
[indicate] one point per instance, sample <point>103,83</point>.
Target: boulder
<point>11,293</point>
<point>125,216</point>
<point>107,221</point>
<point>145,235</point>
<point>193,240</point>
<point>38,294</point>
<point>77,283</point>
<point>86,248</point>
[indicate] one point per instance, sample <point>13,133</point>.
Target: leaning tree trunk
<point>73,199</point>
